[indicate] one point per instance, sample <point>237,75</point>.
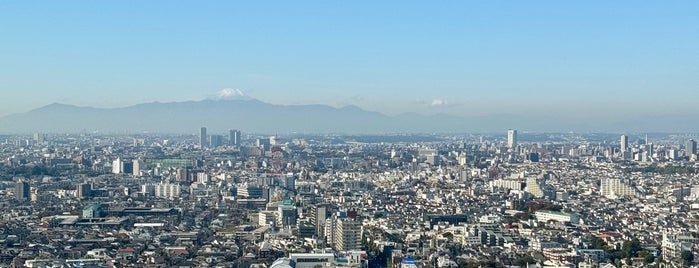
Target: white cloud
<point>230,93</point>
<point>438,102</point>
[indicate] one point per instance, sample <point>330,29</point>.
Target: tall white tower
<point>512,138</point>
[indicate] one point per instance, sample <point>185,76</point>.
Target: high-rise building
<point>182,175</point>
<point>215,141</point>
<point>534,187</point>
<point>263,144</point>
<point>202,137</point>
<point>512,138</point>
<point>691,147</point>
<point>348,234</point>
<point>318,215</point>
<point>138,165</point>
<point>624,143</point>
<point>287,215</point>
<point>672,154</point>
<point>22,190</point>
<point>84,190</point>
<point>39,138</point>
<point>117,166</point>
<point>234,137</point>
<point>462,159</point>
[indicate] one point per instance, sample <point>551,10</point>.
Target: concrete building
<point>202,137</point>
<point>348,234</point>
<point>234,137</point>
<point>612,188</point>
<point>93,211</point>
<point>545,216</point>
<point>84,190</point>
<point>138,166</point>
<point>22,191</point>
<point>167,190</point>
<point>512,138</point>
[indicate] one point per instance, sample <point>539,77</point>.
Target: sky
<point>577,59</point>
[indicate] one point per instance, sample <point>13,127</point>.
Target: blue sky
<point>573,58</point>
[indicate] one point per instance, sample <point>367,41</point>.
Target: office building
<point>234,137</point>
<point>39,138</point>
<point>93,211</point>
<point>182,175</point>
<point>512,138</point>
<point>319,214</point>
<point>263,144</point>
<point>287,215</point>
<point>22,190</point>
<point>691,147</point>
<point>624,143</point>
<point>84,190</point>
<point>215,141</point>
<point>202,137</point>
<point>138,165</point>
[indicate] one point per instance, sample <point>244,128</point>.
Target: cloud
<point>438,102</point>
<point>230,93</point>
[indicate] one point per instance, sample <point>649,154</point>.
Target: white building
<point>138,165</point>
<point>511,138</point>
<point>612,188</point>
<point>167,190</point>
<point>545,216</point>
<point>116,166</point>
<point>507,184</point>
<point>348,234</point>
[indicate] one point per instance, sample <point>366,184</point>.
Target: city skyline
<point>460,59</point>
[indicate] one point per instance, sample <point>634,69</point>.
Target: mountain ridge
<point>252,115</point>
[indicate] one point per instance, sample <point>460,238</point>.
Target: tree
<point>631,248</point>
<point>647,257</point>
<point>687,256</point>
<point>597,243</point>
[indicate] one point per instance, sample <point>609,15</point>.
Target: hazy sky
<point>574,58</point>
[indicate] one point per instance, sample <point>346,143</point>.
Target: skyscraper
<point>624,143</point>
<point>234,137</point>
<point>202,138</point>
<point>511,138</point>
<point>117,166</point>
<point>691,147</point>
<point>215,141</point>
<point>138,165</point>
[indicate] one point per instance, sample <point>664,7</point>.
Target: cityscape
<point>236,199</point>
<point>351,134</point>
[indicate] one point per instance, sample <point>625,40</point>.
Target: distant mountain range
<point>252,115</point>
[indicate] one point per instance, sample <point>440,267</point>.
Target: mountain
<point>252,115</point>
<point>218,115</point>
